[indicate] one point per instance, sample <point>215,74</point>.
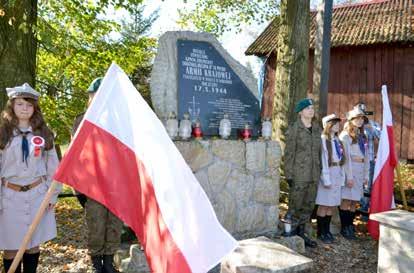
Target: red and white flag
<point>122,157</point>
<point>383,183</point>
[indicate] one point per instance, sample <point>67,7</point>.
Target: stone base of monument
<point>261,255</point>
<point>241,179</point>
<point>396,242</point>
<point>136,263</point>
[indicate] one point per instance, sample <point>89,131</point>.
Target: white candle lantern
<point>225,127</point>
<point>287,225</point>
<point>266,128</point>
<point>184,130</point>
<point>172,125</point>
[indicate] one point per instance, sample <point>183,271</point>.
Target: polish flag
<point>122,157</point>
<point>383,182</point>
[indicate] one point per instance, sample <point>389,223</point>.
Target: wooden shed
<point>371,45</point>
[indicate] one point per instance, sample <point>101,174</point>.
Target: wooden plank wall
<point>269,86</point>
<point>357,74</point>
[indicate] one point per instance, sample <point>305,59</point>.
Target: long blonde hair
<point>354,131</point>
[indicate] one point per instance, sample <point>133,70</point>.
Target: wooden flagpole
<point>33,226</point>
<point>399,180</point>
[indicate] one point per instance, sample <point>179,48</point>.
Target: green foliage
<point>77,43</point>
<point>219,16</point>
<point>407,177</point>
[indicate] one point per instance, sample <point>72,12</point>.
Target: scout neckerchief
<point>361,143</point>
<point>25,145</point>
<point>338,149</point>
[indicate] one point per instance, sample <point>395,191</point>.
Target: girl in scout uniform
<point>28,161</point>
<point>332,176</point>
<point>356,169</point>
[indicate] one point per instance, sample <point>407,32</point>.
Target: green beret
<point>302,104</point>
<point>95,85</point>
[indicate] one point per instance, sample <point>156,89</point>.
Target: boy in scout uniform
<point>302,166</point>
<point>104,228</point>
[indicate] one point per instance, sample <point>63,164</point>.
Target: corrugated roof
<point>367,23</point>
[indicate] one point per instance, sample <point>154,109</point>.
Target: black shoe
<point>345,233</point>
<point>30,262</point>
<point>309,242</point>
<point>300,231</point>
<point>351,231</point>
<point>331,237</point>
<point>325,239</point>
<point>97,265</point>
<point>327,228</point>
<point>108,264</point>
<point>7,264</point>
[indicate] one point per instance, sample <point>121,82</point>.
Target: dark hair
<point>9,123</point>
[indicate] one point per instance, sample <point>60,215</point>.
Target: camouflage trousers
<point>104,229</point>
<point>302,201</point>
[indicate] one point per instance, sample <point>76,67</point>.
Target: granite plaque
<point>208,88</point>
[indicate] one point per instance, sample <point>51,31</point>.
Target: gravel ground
<point>359,256</point>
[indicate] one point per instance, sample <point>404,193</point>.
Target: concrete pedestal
<point>261,255</point>
<point>396,244</point>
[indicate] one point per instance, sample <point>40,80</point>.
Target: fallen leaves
<point>345,256</point>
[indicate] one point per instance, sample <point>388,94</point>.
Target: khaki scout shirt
<point>13,169</point>
<point>352,150</point>
<point>302,152</point>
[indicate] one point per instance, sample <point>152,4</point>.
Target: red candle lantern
<point>246,133</point>
<point>197,132</point>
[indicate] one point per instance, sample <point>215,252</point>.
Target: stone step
<point>262,255</point>
<point>295,243</point>
<point>258,255</point>
<point>136,263</point>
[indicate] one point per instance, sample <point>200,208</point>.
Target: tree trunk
<point>17,44</point>
<point>292,63</point>
<point>321,57</point>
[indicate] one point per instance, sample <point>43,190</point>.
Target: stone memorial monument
<point>194,74</point>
